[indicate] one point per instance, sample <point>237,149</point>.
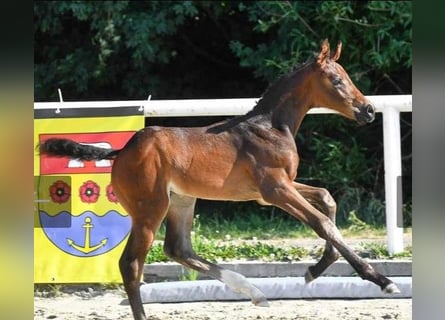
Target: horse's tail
<point>68,148</point>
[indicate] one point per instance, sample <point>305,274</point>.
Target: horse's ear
<point>324,52</point>
<point>337,53</point>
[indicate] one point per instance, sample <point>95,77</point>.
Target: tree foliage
<point>377,39</point>
<point>224,49</point>
<point>132,48</point>
<point>123,49</point>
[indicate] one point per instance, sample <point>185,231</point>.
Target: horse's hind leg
<point>178,246</point>
<point>146,218</point>
<point>323,201</point>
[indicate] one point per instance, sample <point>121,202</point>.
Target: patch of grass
<point>279,225</point>
<point>248,225</point>
<point>111,286</point>
<point>245,237</point>
<point>379,251</point>
<point>355,227</point>
<point>189,275</point>
<point>48,290</point>
<point>215,250</point>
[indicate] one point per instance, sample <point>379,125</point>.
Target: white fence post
<point>393,170</point>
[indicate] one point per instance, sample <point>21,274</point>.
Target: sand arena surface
<point>106,304</point>
<point>100,303</point>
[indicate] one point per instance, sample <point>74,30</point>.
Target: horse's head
<point>335,90</point>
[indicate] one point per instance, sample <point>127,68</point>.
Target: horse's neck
<point>290,114</point>
<point>283,106</point>
<point>286,102</point>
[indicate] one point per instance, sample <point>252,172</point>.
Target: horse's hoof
<point>308,276</point>
<point>391,289</point>
<point>261,303</point>
<point>258,298</point>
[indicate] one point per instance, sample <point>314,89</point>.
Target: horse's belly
<point>216,191</point>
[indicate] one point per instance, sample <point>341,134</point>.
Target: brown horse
<point>161,171</point>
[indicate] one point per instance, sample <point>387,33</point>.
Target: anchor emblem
<point>87,247</point>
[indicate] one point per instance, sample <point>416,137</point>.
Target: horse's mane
<point>284,84</point>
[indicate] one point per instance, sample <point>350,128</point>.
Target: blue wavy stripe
<point>60,220</point>
<point>68,232</point>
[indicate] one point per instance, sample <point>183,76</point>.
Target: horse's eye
<point>337,81</point>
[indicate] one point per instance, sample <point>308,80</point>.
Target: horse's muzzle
<point>366,114</point>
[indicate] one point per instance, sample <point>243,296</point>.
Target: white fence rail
<point>389,105</point>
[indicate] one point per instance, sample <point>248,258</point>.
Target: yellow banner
<point>80,228</point>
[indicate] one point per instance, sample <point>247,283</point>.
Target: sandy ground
<point>110,305</point>
<point>101,303</point>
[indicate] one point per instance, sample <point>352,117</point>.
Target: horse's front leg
<point>323,201</point>
<point>178,246</point>
<point>277,189</point>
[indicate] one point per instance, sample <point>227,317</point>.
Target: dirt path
<point>107,305</point>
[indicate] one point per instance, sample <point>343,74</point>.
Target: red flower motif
<point>110,194</point>
<point>60,192</point>
<point>89,191</point>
